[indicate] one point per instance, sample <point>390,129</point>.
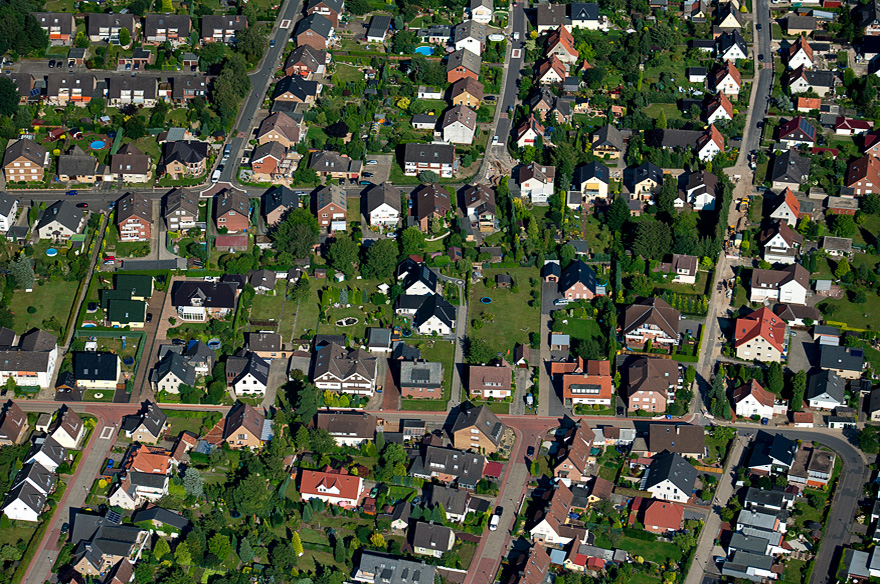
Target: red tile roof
<point>348,486</point>
<point>754,388</point>
<point>761,323</point>
<point>664,515</point>
<point>493,469</point>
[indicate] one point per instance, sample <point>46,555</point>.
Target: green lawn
<point>98,395</point>
<point>698,288</point>
<point>268,307</point>
<point>641,578</point>
<point>348,73</point>
<point>513,320</point>
<point>670,109</point>
<point>578,328</point>
<point>306,315</point>
<point>653,551</point>
<point>795,571</point>
<point>51,299</point>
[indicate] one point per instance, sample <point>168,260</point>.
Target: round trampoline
<point>128,360</point>
<point>486,300</point>
<point>406,333</point>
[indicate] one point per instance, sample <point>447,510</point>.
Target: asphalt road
<point>764,83</point>
<point>510,93</point>
<point>260,80</point>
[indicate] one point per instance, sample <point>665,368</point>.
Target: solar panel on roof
<point>857,353</point>
<point>34,92</point>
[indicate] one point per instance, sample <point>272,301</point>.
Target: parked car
<point>368,174</point>
<point>272,44</point>
<point>178,342</point>
<point>149,317</point>
<point>530,451</point>
<point>493,524</point>
<point>490,98</point>
<point>372,162</point>
<point>52,64</point>
<point>82,206</point>
<point>560,302</point>
<point>71,193</point>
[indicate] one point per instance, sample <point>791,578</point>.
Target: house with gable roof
<point>346,370</point>
<point>788,209</point>
<point>537,181</point>
<point>148,426</point>
<point>70,429</point>
<point>383,205</point>
<point>800,54</point>
<point>651,384</point>
<point>478,429</point>
<point>751,399</point>
<point>781,243</point>
<point>651,319</point>
<point>670,477</point>
<point>789,285</point>
<point>761,336</point>
<point>573,456</point>
<point>334,487</point>
<point>727,80</point>
<point>719,108</point>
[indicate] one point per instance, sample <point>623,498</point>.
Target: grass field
<point>513,320</point>
<point>699,287</point>
<point>670,109</point>
<point>99,395</point>
<point>306,314</point>
<point>578,328</point>
<point>653,551</point>
<point>795,571</point>
<point>52,299</point>
<point>348,73</point>
<point>268,307</point>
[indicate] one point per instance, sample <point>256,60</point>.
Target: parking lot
<point>380,171</point>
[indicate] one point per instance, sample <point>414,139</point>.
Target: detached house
<point>329,164</point>
<point>245,427</point>
<point>330,207</point>
<point>435,316</point>
<point>537,182</point>
<point>751,399</point>
<point>670,478</point>
<point>651,384</point>
<point>306,61</point>
<point>797,131</point>
<point>146,427</point>
<point>280,128</point>
<point>802,80</point>
<point>727,80</point>
<point>134,218</point>
<point>431,201</point>
<point>761,336</point>
<point>826,390</point>
<point>77,166</point>
<point>579,281</point>
<point>478,429</point>
<point>470,35</point>
<point>24,502</point>
<point>551,16</point>
<point>607,141</point>
<point>295,89</point>
<point>481,11</point>
<point>428,539</point>
<point>573,456</point>
<point>585,15</point>
<point>348,428</point>
<point>437,158</point>
<point>336,368</point>
<point>458,125</point>
<point>198,301</point>
<point>591,181</point>
<point>651,319</point>
<point>449,465</point>
<point>60,221</point>
<point>485,381</point>
<point>527,133</point>
<point>13,425</point>
<point>560,44</point>
<point>710,144</point>
<point>789,285</point>
<point>25,161</point>
<point>232,210</point>
<point>463,63</point>
<point>789,170</point>
<point>788,209</point>
<point>731,46</point>
<point>586,382</point>
<point>184,159</point>
<point>334,487</point>
<point>479,206</point>
<point>329,9</point>
<point>181,209</point>
<point>383,205</point>
<point>172,372</point>
<point>863,175</point>
<point>130,165</point>
<point>315,30</point>
<point>720,108</point>
<point>467,91</point>
<point>800,54</point>
<point>421,379</point>
<point>781,243</point>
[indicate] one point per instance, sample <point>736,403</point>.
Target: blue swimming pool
<point>97,145</point>
<point>425,50</point>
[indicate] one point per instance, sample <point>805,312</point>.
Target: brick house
<point>478,429</point>
<point>232,210</point>
<point>485,381</point>
<point>134,218</point>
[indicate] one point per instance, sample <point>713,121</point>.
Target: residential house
<point>536,182</point>
<point>813,467</point>
<point>719,108</point>
<point>103,27</point>
<point>646,180</point>
<point>670,478</point>
<point>683,268</point>
<point>60,26</point>
<point>253,379</point>
<point>463,63</point>
<point>266,345</point>
<point>467,91</point>
<point>172,372</point>
<point>421,379</point>
<point>550,16</point>
<point>306,61</point>
<point>136,488</point>
<point>383,205</point>
<point>789,170</point>
<point>550,524</point>
<point>478,429</point>
<point>164,522</point>
<point>437,158</point>
<point>847,362</point>
<point>428,539</point>
<point>727,17</point>
<point>485,381</point>
<point>46,452</point>
<point>781,243</point>
<point>789,285</point>
<point>140,90</point>
<point>761,336</point>
<point>481,11</point>
<point>607,142</point>
<point>579,281</point>
<point>232,210</point>
<point>147,426</point>
<point>528,132</point>
<point>651,319</point>
<point>97,370</point>
<point>330,207</point>
<point>479,206</point>
<point>24,502</point>
<point>797,315</point>
<point>277,201</point>
<point>198,301</point>
<point>329,9</point>
<point>430,201</point>
<point>459,124</point>
<point>585,15</point>
<point>380,24</point>
<point>470,35</point>
<point>836,246</point>
<point>267,161</point>
<point>70,429</point>
<point>685,439</point>
<point>13,425</point>
<point>186,89</point>
<point>170,28</point>
<point>102,544</point>
<point>222,28</point>
<point>379,568</point>
<point>551,71</point>
<point>184,159</point>
<point>573,456</point>
<point>334,487</point>
<point>79,88</point>
<point>435,316</point>
<point>867,16</point>
<point>38,476</point>
<point>130,165</point>
<point>802,80</point>
<point>751,399</point>
<point>660,517</point>
<point>449,465</point>
<point>826,390</point>
<point>731,46</point>
<point>280,128</point>
<point>60,221</point>
<point>32,362</point>
<point>181,209</point>
<point>134,218</point>
<point>726,79</point>
<point>245,427</point>
<point>315,30</point>
<point>862,176</point>
<point>79,167</point>
<point>560,44</point>
<point>651,384</point>
<point>710,144</point>
<point>295,89</point>
<point>797,131</point>
<point>788,209</point>
<point>844,126</point>
<point>25,161</point>
<point>591,180</point>
<point>800,25</point>
<point>336,368</point>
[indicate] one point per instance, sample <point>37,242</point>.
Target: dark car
<point>499,510</point>
<point>759,26</point>
<point>149,317</point>
<point>490,98</point>
<point>761,57</point>
<point>52,64</point>
<point>178,342</point>
<point>620,410</point>
<point>71,193</point>
<point>82,206</point>
<point>530,451</point>
<point>65,527</point>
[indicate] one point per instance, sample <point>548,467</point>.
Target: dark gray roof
<point>38,475</point>
<point>394,570</point>
<point>435,305</point>
<point>77,163</point>
<point>431,153</point>
<point>27,494</point>
<point>279,196</point>
<point>421,374</point>
<point>50,448</point>
<point>465,466</point>
<point>210,294</point>
<point>584,11</point>
<point>185,152</point>
<point>464,58</point>
<point>866,14</point>
<point>64,212</point>
<point>258,367</point>
<point>318,24</point>
<point>789,166</point>
<point>431,536</point>
<point>773,449</point>
<point>295,84</point>
<point>674,467</point>
<point>174,363</point>
<point>379,25</point>
<point>383,193</point>
<point>608,135</point>
<point>95,366</point>
<point>590,170</point>
<point>578,272</point>
<point>484,420</point>
<point>183,199</point>
<point>845,358</point>
<point>647,170</point>
<point>163,516</point>
<point>727,41</point>
<point>453,500</point>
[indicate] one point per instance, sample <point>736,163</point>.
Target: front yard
<point>441,352</point>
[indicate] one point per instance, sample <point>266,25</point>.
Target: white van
<point>493,523</point>
<point>216,176</point>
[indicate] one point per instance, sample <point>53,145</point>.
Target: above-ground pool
<point>51,252</point>
<point>425,50</point>
<point>97,145</point>
<point>89,325</point>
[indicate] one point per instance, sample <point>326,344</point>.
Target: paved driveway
<point>803,352</point>
<point>380,171</point>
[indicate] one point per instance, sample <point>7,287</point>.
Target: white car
<point>560,302</point>
<point>493,524</point>
<point>372,162</point>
